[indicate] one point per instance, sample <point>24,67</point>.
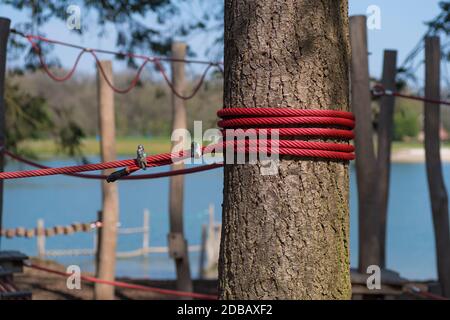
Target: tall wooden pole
<point>177,242</point>
<point>146,232</point>
<point>369,246</point>
<point>385,135</point>
<point>4,34</point>
<point>110,201</point>
<point>436,185</point>
<point>40,238</point>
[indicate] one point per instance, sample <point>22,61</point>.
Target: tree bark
<point>286,236</point>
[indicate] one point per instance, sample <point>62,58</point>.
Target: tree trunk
<point>286,236</point>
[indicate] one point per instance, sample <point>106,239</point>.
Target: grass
<point>401,145</point>
<point>125,146</point>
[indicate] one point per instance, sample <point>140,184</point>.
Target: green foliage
<point>146,111</point>
<point>172,18</point>
<point>406,123</point>
<point>27,116</point>
<point>441,23</point>
<point>69,139</point>
<point>30,117</point>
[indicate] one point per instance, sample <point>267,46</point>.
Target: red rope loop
<point>307,123</point>
<point>155,60</point>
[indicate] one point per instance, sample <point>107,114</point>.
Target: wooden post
<point>385,135</point>
<point>436,185</point>
<point>209,245</point>
<point>110,206</point>
<point>177,242</point>
<point>211,216</point>
<point>4,34</point>
<point>146,232</point>
<point>202,262</point>
<point>98,237</point>
<point>40,238</point>
<point>369,250</point>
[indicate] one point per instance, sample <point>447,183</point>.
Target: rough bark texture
<point>286,236</point>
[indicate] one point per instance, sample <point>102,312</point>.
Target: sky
<point>402,25</point>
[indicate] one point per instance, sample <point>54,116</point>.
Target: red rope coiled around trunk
<point>290,124</point>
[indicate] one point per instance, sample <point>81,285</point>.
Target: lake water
<point>61,200</point>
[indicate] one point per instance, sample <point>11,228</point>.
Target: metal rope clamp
<point>141,157</point>
<point>196,152</point>
<point>378,90</point>
<point>141,162</point>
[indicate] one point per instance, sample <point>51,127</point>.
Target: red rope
<point>341,122</point>
<point>128,285</point>
<point>155,60</point>
<point>130,164</point>
<point>425,294</point>
<point>131,177</point>
<point>379,90</point>
<point>269,118</point>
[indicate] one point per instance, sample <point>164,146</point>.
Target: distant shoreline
<point>416,155</point>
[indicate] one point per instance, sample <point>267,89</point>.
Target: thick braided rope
<point>152,161</point>
<point>325,124</point>
<point>154,175</point>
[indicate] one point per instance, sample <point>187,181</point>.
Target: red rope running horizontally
<point>152,161</point>
<point>128,285</point>
<point>155,175</point>
<point>322,124</point>
<point>379,90</point>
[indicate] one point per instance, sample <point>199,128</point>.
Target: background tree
<point>169,19</point>
<point>286,236</point>
<point>29,117</point>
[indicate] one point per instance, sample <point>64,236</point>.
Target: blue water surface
<point>61,200</point>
